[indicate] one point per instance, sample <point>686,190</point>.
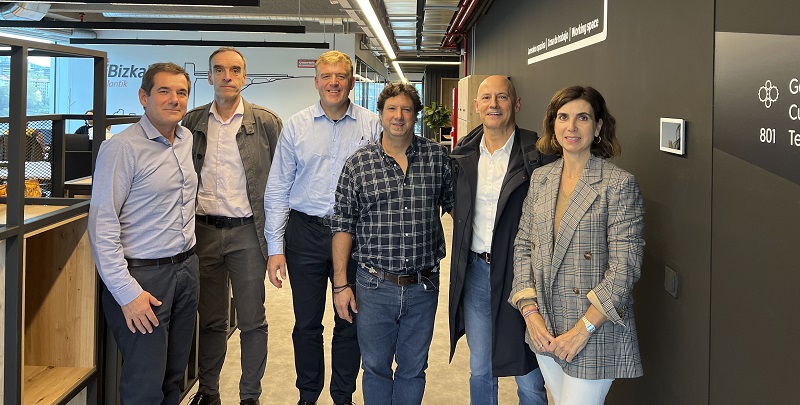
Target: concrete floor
<point>447,383</point>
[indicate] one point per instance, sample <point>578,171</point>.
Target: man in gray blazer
<point>234,142</point>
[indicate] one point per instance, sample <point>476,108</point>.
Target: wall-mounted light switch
<point>671,281</point>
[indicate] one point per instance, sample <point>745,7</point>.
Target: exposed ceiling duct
<point>238,17</point>
<point>24,11</point>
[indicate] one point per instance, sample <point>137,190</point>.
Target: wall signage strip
<point>757,100</point>
<point>581,27</point>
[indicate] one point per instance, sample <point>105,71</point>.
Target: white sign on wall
<point>584,25</point>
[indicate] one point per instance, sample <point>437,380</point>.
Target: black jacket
<point>510,354</point>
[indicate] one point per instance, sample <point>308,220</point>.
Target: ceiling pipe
<point>465,10</point>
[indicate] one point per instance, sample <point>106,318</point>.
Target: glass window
<point>418,126</point>
<point>369,84</point>
<point>40,85</point>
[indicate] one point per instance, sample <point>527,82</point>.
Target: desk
<point>30,211</point>
<point>81,186</point>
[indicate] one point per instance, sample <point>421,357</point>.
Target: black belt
<point>180,257</point>
<point>486,257</point>
<point>224,222</point>
<point>321,221</point>
<point>402,279</point>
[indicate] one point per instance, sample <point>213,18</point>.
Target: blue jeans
<point>394,323</point>
<point>478,323</point>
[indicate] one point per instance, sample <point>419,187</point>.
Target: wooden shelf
<point>52,290</point>
<point>50,385</point>
<point>59,307</point>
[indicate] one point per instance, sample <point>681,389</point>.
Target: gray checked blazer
<point>599,247</point>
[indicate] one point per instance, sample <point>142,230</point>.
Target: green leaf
<point>436,116</point>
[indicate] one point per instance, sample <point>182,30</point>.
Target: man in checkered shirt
<point>389,200</point>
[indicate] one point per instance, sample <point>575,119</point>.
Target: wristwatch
<point>589,326</point>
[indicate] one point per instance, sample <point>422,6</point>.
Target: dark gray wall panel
<point>657,61</point>
<point>756,232</point>
<point>763,17</point>
<point>756,271</point>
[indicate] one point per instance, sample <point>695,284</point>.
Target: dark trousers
<point>235,254</point>
<point>153,364</point>
<point>308,257</point>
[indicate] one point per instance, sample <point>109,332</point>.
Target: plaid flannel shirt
<point>395,216</point>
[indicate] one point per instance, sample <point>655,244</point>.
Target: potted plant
<point>436,116</point>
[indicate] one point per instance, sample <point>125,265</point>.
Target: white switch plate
<point>671,281</point>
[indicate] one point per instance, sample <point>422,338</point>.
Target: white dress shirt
<point>223,186</point>
<point>492,169</point>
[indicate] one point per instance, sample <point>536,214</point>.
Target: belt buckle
<point>219,222</point>
<point>408,279</point>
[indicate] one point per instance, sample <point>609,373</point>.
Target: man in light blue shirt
<point>312,149</point>
<point>141,228</point>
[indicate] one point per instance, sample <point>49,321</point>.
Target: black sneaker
<point>249,401</point>
<point>205,399</point>
<point>304,402</point>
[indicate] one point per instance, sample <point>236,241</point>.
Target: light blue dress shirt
<point>310,155</point>
<point>143,203</point>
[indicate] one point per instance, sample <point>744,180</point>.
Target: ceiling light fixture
<point>399,71</point>
<point>423,62</point>
<point>377,28</point>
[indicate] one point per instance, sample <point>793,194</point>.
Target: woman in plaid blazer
<point>579,252</point>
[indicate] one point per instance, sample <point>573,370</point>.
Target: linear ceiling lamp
<point>194,42</point>
<point>145,26</point>
<point>377,28</point>
<point>399,71</point>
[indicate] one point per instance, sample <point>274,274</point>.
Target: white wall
<point>275,80</point>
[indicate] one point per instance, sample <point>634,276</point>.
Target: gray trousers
<point>235,254</point>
